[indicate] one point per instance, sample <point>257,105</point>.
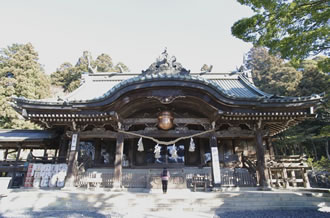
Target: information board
<point>215,165</point>
<point>74,142</point>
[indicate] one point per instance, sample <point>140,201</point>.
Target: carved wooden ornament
<point>165,120</point>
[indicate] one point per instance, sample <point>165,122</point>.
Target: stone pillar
<point>118,162</point>
<point>261,169</point>
<point>73,161</point>
<point>216,176</point>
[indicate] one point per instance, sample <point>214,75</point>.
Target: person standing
<point>165,177</point>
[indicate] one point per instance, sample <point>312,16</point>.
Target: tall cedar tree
<point>20,75</point>
<point>296,29</point>
<point>68,76</point>
<point>271,74</point>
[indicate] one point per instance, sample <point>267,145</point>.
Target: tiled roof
<point>9,135</point>
<point>96,86</point>
<point>101,85</point>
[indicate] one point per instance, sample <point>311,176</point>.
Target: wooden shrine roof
<point>24,138</point>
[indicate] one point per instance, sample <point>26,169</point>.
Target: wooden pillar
<point>201,151</point>
<point>73,161</point>
<point>55,156</point>
<point>305,178</point>
<point>271,148</point>
<point>118,161</point>
<point>97,158</point>
<point>6,154</point>
<point>285,178</point>
<point>294,182</point>
<point>15,165</point>
<point>63,149</point>
<point>270,177</point>
<point>130,152</point>
<point>216,176</point>
<point>261,169</point>
<point>45,157</point>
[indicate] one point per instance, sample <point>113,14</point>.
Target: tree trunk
<point>327,148</point>
<point>261,168</point>
<point>314,148</point>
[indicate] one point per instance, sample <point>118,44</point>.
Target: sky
<point>134,32</point>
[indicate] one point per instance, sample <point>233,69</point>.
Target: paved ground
<point>178,203</point>
<point>309,213</point>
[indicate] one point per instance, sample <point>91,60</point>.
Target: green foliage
<point>323,164</point>
<point>271,74</point>
<point>20,75</point>
<point>68,76</point>
<point>296,29</point>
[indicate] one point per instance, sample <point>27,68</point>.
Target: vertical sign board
<point>215,165</point>
<point>74,142</point>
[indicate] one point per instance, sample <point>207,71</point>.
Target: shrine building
<point>119,130</point>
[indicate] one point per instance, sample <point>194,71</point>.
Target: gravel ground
<point>305,213</point>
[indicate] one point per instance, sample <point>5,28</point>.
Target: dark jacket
<point>165,175</point>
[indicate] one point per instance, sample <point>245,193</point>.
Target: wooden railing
<point>288,171</point>
<point>180,178</point>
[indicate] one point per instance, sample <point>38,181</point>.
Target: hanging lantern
<point>192,145</point>
<point>157,151</point>
<point>165,120</point>
<point>174,152</point>
<point>140,145</point>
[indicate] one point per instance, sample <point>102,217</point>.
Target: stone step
<point>181,201</point>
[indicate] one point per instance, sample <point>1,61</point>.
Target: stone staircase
<point>131,201</point>
<point>224,201</point>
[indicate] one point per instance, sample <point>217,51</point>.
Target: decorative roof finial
<point>165,65</point>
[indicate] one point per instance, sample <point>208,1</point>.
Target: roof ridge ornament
<point>165,65</point>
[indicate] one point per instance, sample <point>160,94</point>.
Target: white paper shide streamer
<point>192,145</point>
<point>157,151</point>
<point>174,152</point>
<point>140,145</point>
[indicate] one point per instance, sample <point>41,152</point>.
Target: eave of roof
<point>12,135</point>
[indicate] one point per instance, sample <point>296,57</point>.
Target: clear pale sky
<point>135,32</point>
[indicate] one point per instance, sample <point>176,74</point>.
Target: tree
<point>20,75</point>
<point>273,75</point>
<point>270,73</point>
<point>295,29</point>
<point>312,135</point>
<point>68,76</point>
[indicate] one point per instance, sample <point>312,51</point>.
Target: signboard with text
<point>74,142</point>
<point>215,165</point>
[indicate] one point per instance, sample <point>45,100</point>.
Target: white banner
<point>215,165</point>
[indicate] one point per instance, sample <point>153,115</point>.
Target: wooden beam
<point>98,134</point>
<point>137,121</point>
